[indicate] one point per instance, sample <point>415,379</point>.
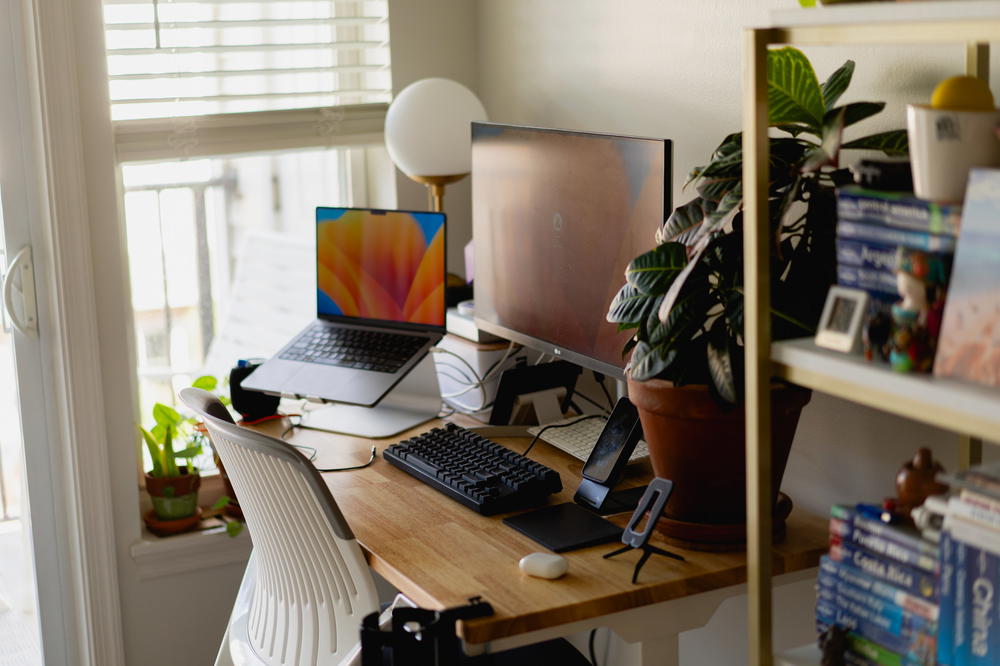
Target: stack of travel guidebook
<point>879,582</point>
<point>873,225</point>
<point>970,572</point>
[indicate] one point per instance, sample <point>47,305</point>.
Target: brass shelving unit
<point>970,410</point>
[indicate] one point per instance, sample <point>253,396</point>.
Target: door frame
<point>54,144</point>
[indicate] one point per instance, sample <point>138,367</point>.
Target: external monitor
<point>557,217</point>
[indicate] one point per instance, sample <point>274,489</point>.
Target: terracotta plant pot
<point>174,497</point>
<point>701,447</point>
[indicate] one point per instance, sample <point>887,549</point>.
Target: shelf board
<point>965,408</point>
<point>950,22</point>
<point>886,12</point>
<point>807,655</point>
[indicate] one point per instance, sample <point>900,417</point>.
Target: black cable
<point>590,645</point>
<point>561,425</point>
<point>577,394</point>
<point>607,394</point>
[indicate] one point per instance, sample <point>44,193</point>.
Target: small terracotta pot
<point>701,447</point>
<point>174,497</point>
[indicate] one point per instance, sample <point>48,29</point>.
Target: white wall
<point>671,68</point>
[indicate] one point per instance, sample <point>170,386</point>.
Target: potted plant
<point>172,487</point>
<point>684,298</point>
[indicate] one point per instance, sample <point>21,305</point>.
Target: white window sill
<point>166,556</point>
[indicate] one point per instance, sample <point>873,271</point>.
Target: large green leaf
<point>646,362</point>
<point>720,364</point>
<point>685,219</point>
<point>893,143</point>
<point>165,415</point>
<point>833,131</point>
<point>793,92</point>
<point>653,271</point>
<point>630,306</point>
<point>857,111</point>
<point>205,382</point>
<point>714,189</point>
<point>154,452</point>
<point>835,86</point>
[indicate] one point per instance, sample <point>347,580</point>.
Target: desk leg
<point>663,651</point>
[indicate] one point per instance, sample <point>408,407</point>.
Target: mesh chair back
<point>312,586</point>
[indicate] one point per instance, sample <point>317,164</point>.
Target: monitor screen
<point>381,265</point>
<point>557,217</point>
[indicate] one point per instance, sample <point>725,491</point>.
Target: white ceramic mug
<point>945,144</point>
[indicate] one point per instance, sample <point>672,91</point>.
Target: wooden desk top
<point>439,553</point>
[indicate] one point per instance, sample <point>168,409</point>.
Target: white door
<point>33,557</point>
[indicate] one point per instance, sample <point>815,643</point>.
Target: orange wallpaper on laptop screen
<point>381,265</point>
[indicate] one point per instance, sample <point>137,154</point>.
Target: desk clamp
<point>653,501</point>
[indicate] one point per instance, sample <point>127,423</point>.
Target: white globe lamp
<point>428,136</point>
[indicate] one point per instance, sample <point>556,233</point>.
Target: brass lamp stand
<point>435,188</point>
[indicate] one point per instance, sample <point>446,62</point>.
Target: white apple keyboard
<point>579,439</point>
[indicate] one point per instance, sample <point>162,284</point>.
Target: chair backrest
<point>313,586</point>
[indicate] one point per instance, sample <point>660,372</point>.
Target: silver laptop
<point>380,306</point>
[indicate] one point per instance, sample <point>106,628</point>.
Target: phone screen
<point>615,436</point>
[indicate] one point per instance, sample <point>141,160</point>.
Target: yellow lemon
<point>962,93</point>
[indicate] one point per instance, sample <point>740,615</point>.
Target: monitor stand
<point>414,400</point>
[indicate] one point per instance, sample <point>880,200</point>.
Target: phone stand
<point>604,501</point>
<point>653,500</point>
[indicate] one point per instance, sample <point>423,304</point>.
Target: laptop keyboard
<point>354,348</point>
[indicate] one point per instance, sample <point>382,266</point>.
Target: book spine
<point>910,540</point>
<point>873,256</point>
<point>946,617</point>
<point>984,649</point>
<point>917,240</point>
<point>873,653</point>
<point>831,572</point>
<point>914,581</point>
<point>879,283</point>
<point>865,206</point>
<point>917,646</point>
<point>880,545</point>
<point>888,615</point>
<point>961,628</point>
<point>976,508</point>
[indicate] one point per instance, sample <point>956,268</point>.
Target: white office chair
<point>307,585</point>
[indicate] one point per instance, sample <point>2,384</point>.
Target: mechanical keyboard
<point>354,348</point>
<point>579,439</point>
<point>479,473</point>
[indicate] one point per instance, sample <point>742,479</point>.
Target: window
<point>233,120</point>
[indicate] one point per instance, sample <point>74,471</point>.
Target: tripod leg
<point>638,566</point>
<point>617,552</point>
<point>660,551</point>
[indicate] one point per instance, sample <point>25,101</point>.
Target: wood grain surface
<point>439,553</point>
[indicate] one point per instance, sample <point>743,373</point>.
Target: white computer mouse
<point>544,565</point>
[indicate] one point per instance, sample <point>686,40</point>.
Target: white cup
<point>945,144</point>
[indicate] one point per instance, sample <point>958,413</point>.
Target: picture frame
<point>840,324</point>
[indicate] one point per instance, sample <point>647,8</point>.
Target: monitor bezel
<point>546,346</point>
<point>385,323</point>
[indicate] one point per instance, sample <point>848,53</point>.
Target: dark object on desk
<point>479,473</point>
<point>456,290</point>
<point>833,644</point>
<point>564,527</point>
<point>606,463</point>
<point>533,379</point>
<point>916,481</point>
<point>251,405</point>
<point>420,637</point>
<point>652,502</point>
<point>884,174</point>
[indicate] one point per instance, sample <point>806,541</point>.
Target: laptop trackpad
<point>326,382</point>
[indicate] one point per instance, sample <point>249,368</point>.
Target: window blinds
<point>175,58</point>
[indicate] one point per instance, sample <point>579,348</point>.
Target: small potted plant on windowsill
<point>173,488</point>
<point>684,298</point>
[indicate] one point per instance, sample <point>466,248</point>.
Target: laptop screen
<point>380,265</point>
